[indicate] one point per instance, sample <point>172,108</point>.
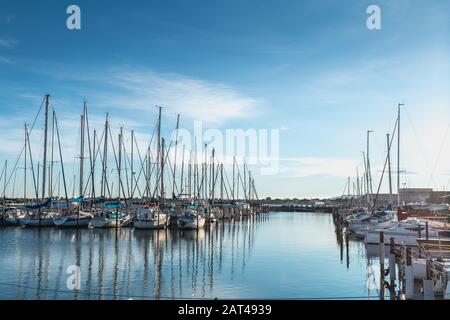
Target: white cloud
<point>192,98</point>
<point>318,166</point>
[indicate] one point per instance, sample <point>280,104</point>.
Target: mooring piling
<point>409,275</point>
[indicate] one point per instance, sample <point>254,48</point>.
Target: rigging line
<point>23,147</point>
<point>439,154</point>
<point>127,158</point>
<point>117,162</point>
<point>125,166</point>
<point>61,159</point>
<point>171,171</point>
<point>423,154</point>
<point>164,160</point>
<point>384,168</point>
<point>228,182</point>
<point>31,162</point>
<point>147,156</point>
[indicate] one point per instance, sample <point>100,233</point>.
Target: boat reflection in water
<point>126,263</point>
<point>278,255</point>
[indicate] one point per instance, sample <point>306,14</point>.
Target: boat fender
<point>438,285</point>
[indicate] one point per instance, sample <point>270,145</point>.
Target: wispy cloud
<point>318,166</point>
<point>193,98</point>
<point>5,60</point>
<point>8,43</point>
<point>139,90</point>
<point>7,18</point>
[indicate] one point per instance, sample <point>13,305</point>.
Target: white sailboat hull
<point>34,222</point>
<point>160,223</point>
<point>100,222</point>
<point>408,238</point>
<point>196,223</point>
<point>72,221</point>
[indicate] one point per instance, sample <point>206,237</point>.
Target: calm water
<point>283,255</point>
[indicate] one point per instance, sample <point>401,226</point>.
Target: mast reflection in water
<point>281,255</point>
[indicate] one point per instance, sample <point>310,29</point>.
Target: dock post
<point>428,293</point>
<point>392,259</point>
<point>409,275</point>
<point>426,230</point>
<point>382,272</point>
<point>392,268</point>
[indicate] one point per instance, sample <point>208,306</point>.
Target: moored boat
<point>111,220</point>
<point>78,220</point>
<point>191,219</point>
<point>151,218</point>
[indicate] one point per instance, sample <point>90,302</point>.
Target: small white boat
<point>191,219</point>
<point>73,220</point>
<point>406,231</point>
<point>44,220</point>
<point>13,217</point>
<point>151,218</point>
<point>358,223</point>
<point>112,220</point>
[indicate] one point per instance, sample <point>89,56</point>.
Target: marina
<point>224,158</point>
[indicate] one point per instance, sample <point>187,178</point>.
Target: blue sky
<point>309,68</point>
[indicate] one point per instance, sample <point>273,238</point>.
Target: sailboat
<point>112,215</point>
<point>406,231</point>
<point>192,218</point>
<point>38,217</point>
<point>68,218</point>
<point>150,217</point>
<point>13,217</point>
<point>111,220</point>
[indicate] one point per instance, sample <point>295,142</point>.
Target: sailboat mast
<point>162,168</point>
<point>44,164</point>
<point>158,151</point>
<point>365,182</point>
<point>119,169</point>
<point>213,176</point>
<point>50,186</point>
<point>221,181</point>
<point>190,174</point>
<point>398,155</point>
<point>369,174</point>
<point>25,166</point>
<point>131,166</point>
<point>175,158</point>
<point>244,186</point>
<point>234,172</point>
<point>82,149</point>
<point>93,157</point>
<point>389,167</point>
<point>182,173</point>
<point>205,174</point>
<point>105,155</point>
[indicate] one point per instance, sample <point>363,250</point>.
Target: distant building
<point>411,195</point>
